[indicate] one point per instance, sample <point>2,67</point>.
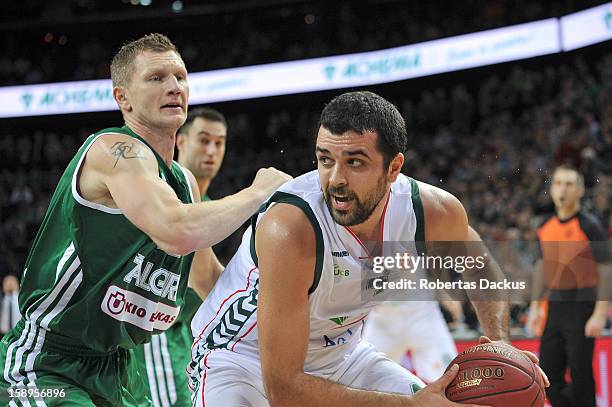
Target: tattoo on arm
<point>122,149</point>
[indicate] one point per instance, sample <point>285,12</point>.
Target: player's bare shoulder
<point>285,236</point>
<point>119,151</point>
<point>445,217</point>
<point>285,223</point>
<point>112,154</point>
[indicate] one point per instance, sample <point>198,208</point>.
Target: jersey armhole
<point>283,197</point>
<point>419,213</point>
<point>75,177</point>
<point>187,180</point>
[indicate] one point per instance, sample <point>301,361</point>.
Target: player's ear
<point>181,139</point>
<point>395,167</point>
<point>121,97</point>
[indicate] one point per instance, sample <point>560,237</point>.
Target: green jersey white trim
<point>186,174</point>
<point>75,192</point>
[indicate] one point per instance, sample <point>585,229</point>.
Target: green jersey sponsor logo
<point>160,282</point>
<point>127,306</point>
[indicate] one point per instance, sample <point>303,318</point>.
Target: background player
<point>201,148</point>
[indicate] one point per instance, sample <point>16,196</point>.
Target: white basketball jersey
<point>339,299</point>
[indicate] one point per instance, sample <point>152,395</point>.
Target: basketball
<point>496,375</point>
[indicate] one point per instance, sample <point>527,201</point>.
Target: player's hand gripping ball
<point>496,375</point>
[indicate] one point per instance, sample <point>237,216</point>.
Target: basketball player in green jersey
<point>201,147</point>
<point>110,264</point>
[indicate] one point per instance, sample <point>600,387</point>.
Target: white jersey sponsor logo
<point>133,308</point>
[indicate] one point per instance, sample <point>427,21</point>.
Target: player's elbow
<point>278,397</point>
<point>174,234</point>
<point>175,247</point>
<point>176,242</point>
<point>280,390</point>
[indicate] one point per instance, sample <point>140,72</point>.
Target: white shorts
<point>234,380</point>
<point>419,327</point>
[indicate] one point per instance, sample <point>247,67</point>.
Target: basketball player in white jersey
<point>282,326</point>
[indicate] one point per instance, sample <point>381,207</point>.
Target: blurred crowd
<point>222,34</point>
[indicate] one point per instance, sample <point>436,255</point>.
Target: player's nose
<point>337,176</point>
<point>172,85</point>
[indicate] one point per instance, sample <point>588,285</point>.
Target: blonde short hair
<point>122,65</point>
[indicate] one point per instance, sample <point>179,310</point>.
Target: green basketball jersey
<point>94,278</point>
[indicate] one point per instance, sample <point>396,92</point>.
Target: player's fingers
<point>536,360</point>
<point>531,356</point>
<point>444,380</point>
<point>546,381</point>
<point>484,339</point>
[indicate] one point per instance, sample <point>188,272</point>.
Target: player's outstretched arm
<point>123,172</point>
<point>205,267</point>
<point>446,221</point>
<point>285,245</point>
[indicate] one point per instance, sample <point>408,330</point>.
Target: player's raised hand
<point>434,395</point>
<point>267,180</point>
<point>530,355</point>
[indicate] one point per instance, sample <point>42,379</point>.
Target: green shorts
<point>162,363</point>
<point>41,368</point>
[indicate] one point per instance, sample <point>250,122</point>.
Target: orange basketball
<point>496,375</point>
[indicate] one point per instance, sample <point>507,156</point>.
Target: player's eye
<point>324,160</point>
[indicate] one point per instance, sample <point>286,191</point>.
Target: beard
<point>362,207</point>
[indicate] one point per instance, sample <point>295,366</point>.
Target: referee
<point>572,244</point>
